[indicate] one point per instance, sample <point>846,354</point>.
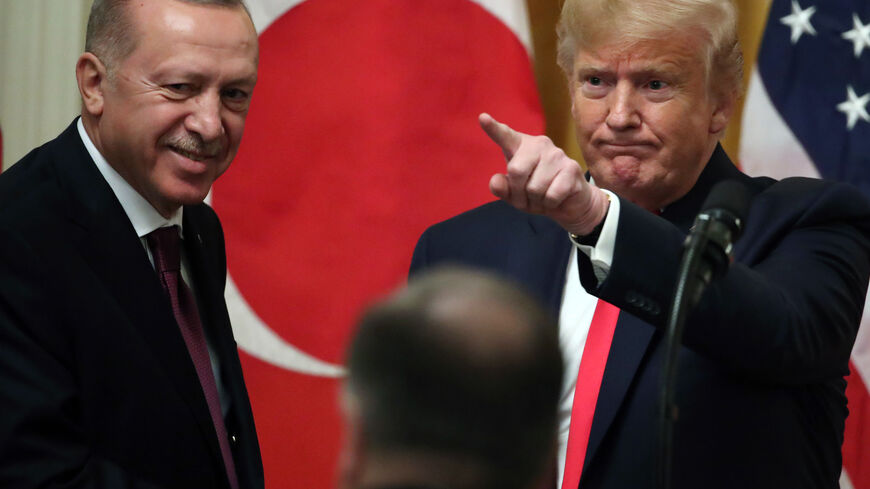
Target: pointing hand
<point>541,179</point>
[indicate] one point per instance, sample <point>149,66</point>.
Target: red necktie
<point>165,244</point>
<point>586,391</point>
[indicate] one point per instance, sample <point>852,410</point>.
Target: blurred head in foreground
<point>452,382</point>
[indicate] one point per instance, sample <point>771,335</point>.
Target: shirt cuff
<point>601,254</point>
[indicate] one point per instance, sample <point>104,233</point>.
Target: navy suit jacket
<point>760,386</point>
<point>97,388</point>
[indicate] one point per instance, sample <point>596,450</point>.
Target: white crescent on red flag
<point>806,114</point>
<point>362,132</point>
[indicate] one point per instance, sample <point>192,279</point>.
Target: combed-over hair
<point>589,24</point>
<point>110,35</point>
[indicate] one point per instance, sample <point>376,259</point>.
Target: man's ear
<point>722,112</point>
<point>91,74</point>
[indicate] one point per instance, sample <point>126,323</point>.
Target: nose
<point>623,110</point>
<point>205,116</point>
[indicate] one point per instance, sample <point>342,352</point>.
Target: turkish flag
<point>362,132</point>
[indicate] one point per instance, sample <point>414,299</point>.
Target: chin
<point>188,195</point>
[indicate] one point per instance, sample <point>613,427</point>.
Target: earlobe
<point>90,75</point>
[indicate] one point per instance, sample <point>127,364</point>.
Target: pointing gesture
<point>541,179</point>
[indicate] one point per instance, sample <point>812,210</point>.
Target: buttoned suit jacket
<point>760,386</point>
<point>97,388</point>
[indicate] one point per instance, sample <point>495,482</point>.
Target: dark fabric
<point>760,386</point>
<point>165,245</point>
<point>97,388</point>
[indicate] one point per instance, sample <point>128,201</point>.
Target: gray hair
<point>110,34</point>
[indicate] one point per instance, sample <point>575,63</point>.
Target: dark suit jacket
<point>96,386</point>
<point>760,387</point>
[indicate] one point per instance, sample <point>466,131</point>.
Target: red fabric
<point>165,244</point>
<point>586,392</point>
<point>362,132</point>
<point>856,446</point>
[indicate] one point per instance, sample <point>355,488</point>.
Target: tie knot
<point>165,244</point>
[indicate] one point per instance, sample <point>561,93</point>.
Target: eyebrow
<point>670,70</point>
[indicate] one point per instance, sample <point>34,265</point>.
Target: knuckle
<point>515,171</point>
<point>536,188</point>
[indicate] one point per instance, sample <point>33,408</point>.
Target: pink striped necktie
<point>165,244</point>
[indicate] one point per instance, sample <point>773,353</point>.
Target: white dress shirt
<point>575,317</point>
<point>146,219</point>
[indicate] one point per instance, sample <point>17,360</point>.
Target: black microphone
<point>707,254</point>
<point>716,228</point>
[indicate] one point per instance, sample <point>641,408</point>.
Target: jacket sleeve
<point>787,310</point>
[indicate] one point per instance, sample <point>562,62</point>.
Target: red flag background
<point>362,132</point>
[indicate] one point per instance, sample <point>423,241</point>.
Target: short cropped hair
<point>464,365</point>
<point>110,34</point>
<point>588,24</point>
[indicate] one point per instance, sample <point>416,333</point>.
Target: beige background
<point>40,41</point>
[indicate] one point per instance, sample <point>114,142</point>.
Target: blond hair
<point>587,24</point>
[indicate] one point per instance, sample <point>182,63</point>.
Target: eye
<point>657,85</point>
<point>236,99</point>
<point>235,94</point>
<point>180,87</point>
<point>594,81</point>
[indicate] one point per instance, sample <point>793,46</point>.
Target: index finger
<point>502,134</point>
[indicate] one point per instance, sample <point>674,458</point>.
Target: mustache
<point>194,144</point>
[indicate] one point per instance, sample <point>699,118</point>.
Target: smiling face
<point>170,117</point>
<point>647,121</point>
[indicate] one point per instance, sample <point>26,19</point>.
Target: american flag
<point>807,114</point>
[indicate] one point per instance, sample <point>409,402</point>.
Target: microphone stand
<point>687,283</point>
<point>707,254</point>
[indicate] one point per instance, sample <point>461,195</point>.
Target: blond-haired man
<point>760,388</point>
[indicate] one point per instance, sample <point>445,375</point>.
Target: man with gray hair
<point>453,382</point>
<point>118,367</point>
<point>760,387</point>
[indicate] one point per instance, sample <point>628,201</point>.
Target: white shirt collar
<point>141,213</point>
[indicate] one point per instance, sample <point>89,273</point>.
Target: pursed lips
<point>624,147</point>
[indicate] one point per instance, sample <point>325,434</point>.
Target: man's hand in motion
<point>541,179</point>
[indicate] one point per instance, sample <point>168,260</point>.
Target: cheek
<point>587,116</point>
<point>234,125</point>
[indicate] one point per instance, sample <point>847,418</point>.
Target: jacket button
<point>233,439</point>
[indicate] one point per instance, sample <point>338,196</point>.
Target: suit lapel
<point>633,337</point>
<point>208,268</point>
<point>547,271</point>
<point>110,247</point>
<point>631,340</point>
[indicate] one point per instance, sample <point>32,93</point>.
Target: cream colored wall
<point>40,41</point>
